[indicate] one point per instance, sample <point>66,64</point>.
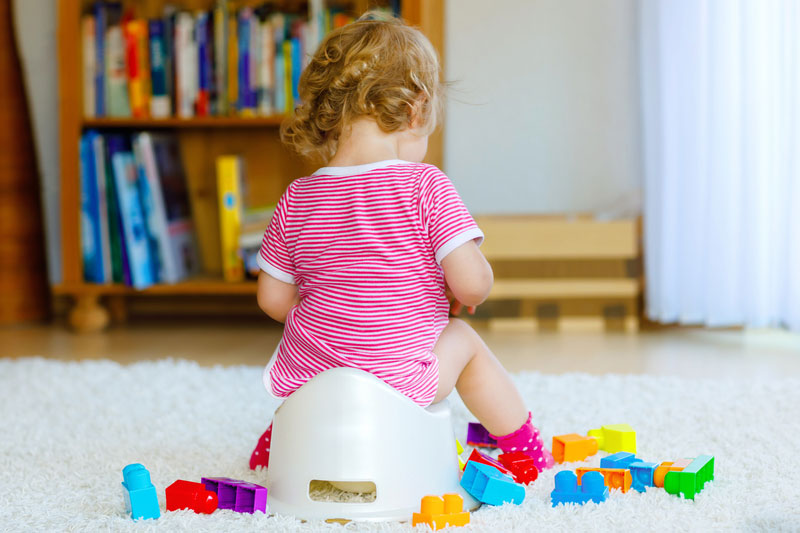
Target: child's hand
<point>455,306</point>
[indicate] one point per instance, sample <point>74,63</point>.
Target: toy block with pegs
<point>567,489</point>
<point>614,478</point>
<point>488,485</point>
<point>615,438</point>
<point>441,512</point>
<point>691,480</point>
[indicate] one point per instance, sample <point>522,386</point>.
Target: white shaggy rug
<point>68,429</point>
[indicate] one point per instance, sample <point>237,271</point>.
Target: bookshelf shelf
<point>197,286</point>
<point>270,167</point>
<point>197,122</point>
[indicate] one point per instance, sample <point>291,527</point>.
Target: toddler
<point>364,258</point>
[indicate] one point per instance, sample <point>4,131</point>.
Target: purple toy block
<point>237,495</point>
<point>225,488</point>
<point>477,435</point>
<point>250,498</point>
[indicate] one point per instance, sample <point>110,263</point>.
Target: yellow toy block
<point>615,438</point>
<point>441,512</point>
<point>459,451</point>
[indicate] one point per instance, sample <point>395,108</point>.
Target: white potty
<point>346,425</point>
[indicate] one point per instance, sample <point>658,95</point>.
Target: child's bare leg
<point>466,363</point>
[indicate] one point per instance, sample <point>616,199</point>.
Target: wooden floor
<point>681,352</point>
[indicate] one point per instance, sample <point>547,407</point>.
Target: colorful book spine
<point>267,69</point>
<point>297,66</point>
<point>186,70</point>
<point>99,154</point>
<point>278,27</point>
<point>117,98</point>
<point>89,66</point>
<point>159,100</point>
<point>233,65</point>
<point>203,103</point>
<point>100,59</point>
<point>229,175</point>
<point>287,77</point>
<point>152,228</point>
<point>135,32</point>
<point>91,241</point>
<point>221,56</point>
<point>245,20</point>
<point>133,223</point>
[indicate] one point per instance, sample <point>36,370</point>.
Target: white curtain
<point>721,126</point>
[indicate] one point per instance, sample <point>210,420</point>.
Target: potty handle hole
<point>322,490</point>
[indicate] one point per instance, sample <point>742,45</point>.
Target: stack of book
<point>136,224</point>
<point>224,61</point>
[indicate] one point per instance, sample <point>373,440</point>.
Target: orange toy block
<point>615,478</point>
<point>668,466</point>
<point>441,512</point>
<point>573,447</point>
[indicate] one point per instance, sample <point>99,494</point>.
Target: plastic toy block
<point>478,436</point>
<point>573,447</point>
<point>521,465</point>
<point>441,512</point>
<point>488,485</point>
<point>642,475</point>
<point>225,488</point>
<point>250,498</point>
<point>668,466</point>
<point>614,478</point>
<point>239,496</point>
<point>479,457</point>
<point>618,460</point>
<point>190,495</point>
<point>139,493</point>
<point>691,480</point>
<point>566,489</point>
<point>459,451</point>
<point>615,438</point>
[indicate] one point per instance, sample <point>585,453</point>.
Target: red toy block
<point>479,457</point>
<point>521,465</point>
<point>189,495</point>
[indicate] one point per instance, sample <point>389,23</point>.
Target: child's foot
<point>260,456</point>
<point>528,441</point>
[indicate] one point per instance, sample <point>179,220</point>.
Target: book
<point>203,101</point>
<point>98,152</point>
<point>220,15</point>
<point>91,241</point>
<point>136,244</point>
<point>229,177</point>
<point>136,41</point>
<point>116,75</point>
<point>89,66</point>
<point>152,229</point>
<point>186,69</point>
<point>170,218</point>
<point>245,104</point>
<point>267,69</point>
<point>160,106</point>
<point>119,254</point>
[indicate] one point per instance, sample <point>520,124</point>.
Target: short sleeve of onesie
<point>274,257</point>
<point>445,218</point>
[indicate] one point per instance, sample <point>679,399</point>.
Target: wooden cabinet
<point>270,166</point>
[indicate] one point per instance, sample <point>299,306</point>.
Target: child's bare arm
<point>276,297</point>
<point>468,274</point>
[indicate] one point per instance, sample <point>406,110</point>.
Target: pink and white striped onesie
<point>364,246</point>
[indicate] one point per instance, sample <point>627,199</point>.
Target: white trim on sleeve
<point>276,273</point>
<point>455,242</point>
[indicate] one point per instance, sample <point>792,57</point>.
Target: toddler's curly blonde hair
<point>375,67</point>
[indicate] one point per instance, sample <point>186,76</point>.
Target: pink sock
<point>528,441</point>
<point>260,456</point>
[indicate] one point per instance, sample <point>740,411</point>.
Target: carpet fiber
<point>67,429</point>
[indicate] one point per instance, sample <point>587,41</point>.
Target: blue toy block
<point>642,474</point>
<point>618,460</point>
<point>140,494</point>
<point>488,485</point>
<point>566,489</point>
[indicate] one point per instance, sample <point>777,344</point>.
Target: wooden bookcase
<point>270,166</point>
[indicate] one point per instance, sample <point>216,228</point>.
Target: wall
<point>544,113</point>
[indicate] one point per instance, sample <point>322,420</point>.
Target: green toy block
<point>691,480</point>
<point>615,438</point>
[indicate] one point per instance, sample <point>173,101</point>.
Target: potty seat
<point>347,427</point>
